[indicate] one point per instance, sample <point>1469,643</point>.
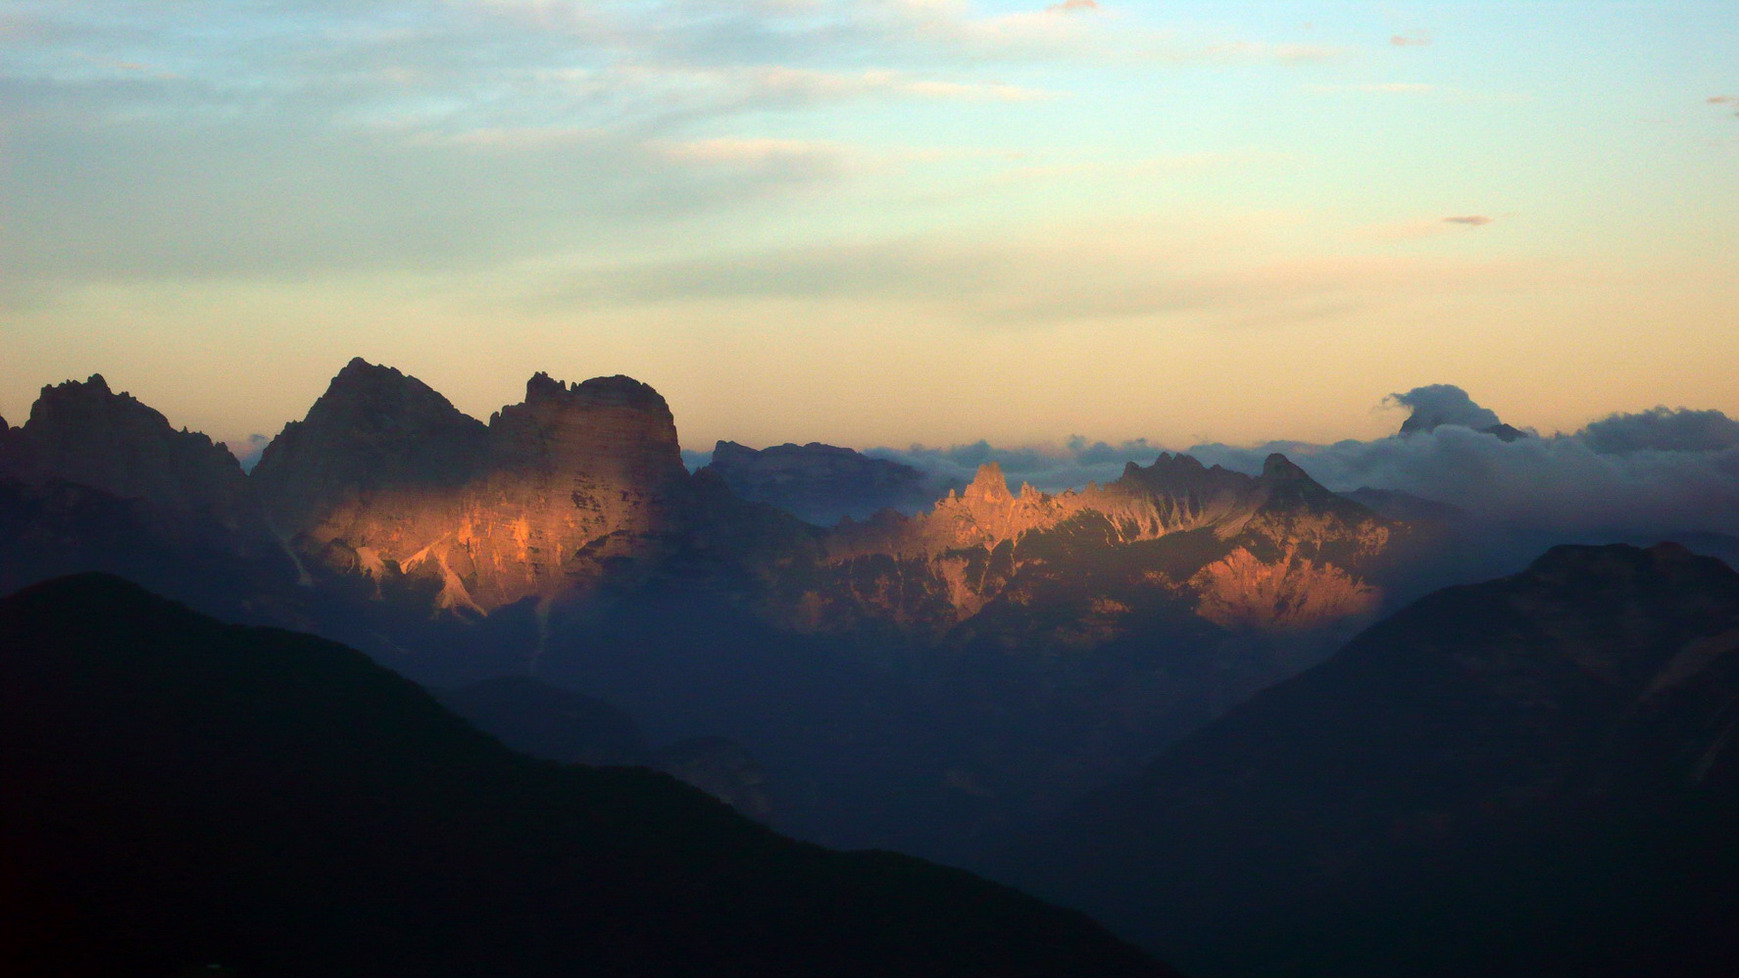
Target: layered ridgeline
<point>95,480</point>
<point>924,681</point>
<point>188,796</point>
<point>385,479</point>
<point>1269,552</point>
<point>1538,775</point>
<point>819,484</point>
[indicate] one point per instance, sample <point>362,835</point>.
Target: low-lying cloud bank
<point>1661,473</point>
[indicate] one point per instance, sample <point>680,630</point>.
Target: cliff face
<point>1276,551</point>
<point>374,431</point>
<point>387,480</point>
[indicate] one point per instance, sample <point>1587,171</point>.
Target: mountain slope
<point>818,483</point>
<point>1271,552</point>
<point>96,480</point>
<point>182,792</point>
<point>1538,775</point>
<point>384,480</point>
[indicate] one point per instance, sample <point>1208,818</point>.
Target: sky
<point>879,222</point>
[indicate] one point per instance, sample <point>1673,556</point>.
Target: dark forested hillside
<point>182,793</point>
<point>1538,775</point>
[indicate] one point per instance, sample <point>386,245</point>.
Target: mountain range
<point>1230,714</point>
<point>1042,642</point>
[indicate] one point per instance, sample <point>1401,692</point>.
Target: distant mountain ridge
<point>820,484</point>
<point>386,481</point>
<point>1281,551</point>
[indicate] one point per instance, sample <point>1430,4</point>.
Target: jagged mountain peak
<point>361,384</point>
<point>71,401</point>
<point>614,391</point>
<point>358,367</point>
<point>610,422</point>
<point>1278,468</point>
<point>989,485</point>
<point>373,427</point>
<point>86,434</point>
<point>1180,476</point>
<point>386,478</point>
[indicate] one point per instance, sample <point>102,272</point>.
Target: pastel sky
<point>878,222</point>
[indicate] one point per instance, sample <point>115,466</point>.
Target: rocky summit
<point>88,435</point>
<point>385,479</point>
<point>1274,551</point>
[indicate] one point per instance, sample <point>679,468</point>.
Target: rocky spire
<point>988,486</point>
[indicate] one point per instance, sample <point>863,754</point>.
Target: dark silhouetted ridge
<point>1537,775</point>
<point>183,793</point>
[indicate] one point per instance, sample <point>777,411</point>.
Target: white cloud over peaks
<point>1654,475</point>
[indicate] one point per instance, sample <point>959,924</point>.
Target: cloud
<point>754,151</point>
<point>1724,100</point>
<point>776,81</point>
<point>777,163</point>
<point>1282,53</point>
<point>1440,92</point>
<point>1392,88</point>
<point>273,142</point>
<point>1435,405</point>
<point>1073,6</point>
<point>1644,477</point>
<point>1409,41</point>
<point>1052,273</point>
<point>1548,487</point>
<point>1419,228</point>
<point>1662,429</point>
<point>1048,468</point>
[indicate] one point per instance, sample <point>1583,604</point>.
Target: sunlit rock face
<point>374,432</point>
<point>1270,552</point>
<point>386,483</point>
<point>385,479</point>
<point>189,489</point>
